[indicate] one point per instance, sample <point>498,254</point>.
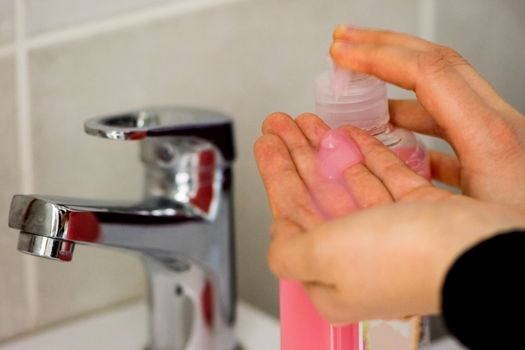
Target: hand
<point>453,102</point>
<point>384,262</point>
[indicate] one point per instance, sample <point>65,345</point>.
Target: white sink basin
<point>125,328</point>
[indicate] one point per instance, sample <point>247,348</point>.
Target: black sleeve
<point>483,297</point>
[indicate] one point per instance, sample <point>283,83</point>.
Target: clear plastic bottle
<point>346,97</point>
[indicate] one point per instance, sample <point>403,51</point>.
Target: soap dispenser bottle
<point>345,97</point>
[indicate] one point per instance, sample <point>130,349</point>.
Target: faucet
<point>182,227</point>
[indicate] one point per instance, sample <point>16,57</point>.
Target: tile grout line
<point>113,23</point>
<point>427,19</point>
<point>25,145</point>
<point>122,21</point>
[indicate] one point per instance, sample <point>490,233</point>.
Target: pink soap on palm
<point>337,152</point>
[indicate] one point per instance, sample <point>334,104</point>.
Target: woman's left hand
<point>387,261</point>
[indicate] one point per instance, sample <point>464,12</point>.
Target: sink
<point>125,328</point>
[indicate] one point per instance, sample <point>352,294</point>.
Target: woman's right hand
<point>453,102</point>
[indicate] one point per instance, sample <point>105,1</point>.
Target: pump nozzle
<point>344,97</point>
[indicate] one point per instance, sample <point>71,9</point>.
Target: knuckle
<point>394,167</point>
<point>381,151</point>
<point>362,64</point>
<point>372,200</point>
<point>502,130</point>
<point>357,173</point>
<point>440,59</point>
<point>452,56</point>
<point>432,62</point>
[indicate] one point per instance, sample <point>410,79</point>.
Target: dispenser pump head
<point>344,97</point>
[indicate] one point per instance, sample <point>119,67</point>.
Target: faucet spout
<point>60,223</point>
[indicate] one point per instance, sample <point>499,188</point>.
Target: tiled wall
<point>45,15</point>
<point>75,59</point>
<point>14,306</point>
<point>6,21</point>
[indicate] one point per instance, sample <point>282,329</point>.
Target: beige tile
<point>95,279</point>
<point>14,310</point>
<point>490,34</point>
<point>66,90</point>
<point>7,21</point>
<point>247,59</point>
<point>44,15</point>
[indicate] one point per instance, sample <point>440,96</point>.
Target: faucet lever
<point>147,123</point>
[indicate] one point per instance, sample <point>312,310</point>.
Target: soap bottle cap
<point>344,97</point>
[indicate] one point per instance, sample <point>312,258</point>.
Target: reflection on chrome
<point>182,226</point>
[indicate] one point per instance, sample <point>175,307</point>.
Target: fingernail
<point>342,31</point>
<point>337,152</point>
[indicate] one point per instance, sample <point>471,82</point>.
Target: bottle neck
<point>388,136</point>
<point>381,129</point>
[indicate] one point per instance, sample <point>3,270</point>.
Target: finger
<point>302,153</point>
<point>313,127</point>
<point>287,194</point>
<point>445,168</point>
<point>305,160</point>
<point>379,37</point>
<point>410,114</point>
<point>441,90</point>
<point>398,179</point>
<point>366,188</point>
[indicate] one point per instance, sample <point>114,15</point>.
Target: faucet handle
<point>145,123</point>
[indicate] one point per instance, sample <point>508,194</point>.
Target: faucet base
<point>186,310</point>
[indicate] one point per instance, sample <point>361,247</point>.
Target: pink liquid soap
<point>337,152</point>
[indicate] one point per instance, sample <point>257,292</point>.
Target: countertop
<point>125,328</point>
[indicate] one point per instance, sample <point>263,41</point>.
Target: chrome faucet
<point>183,226</point>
